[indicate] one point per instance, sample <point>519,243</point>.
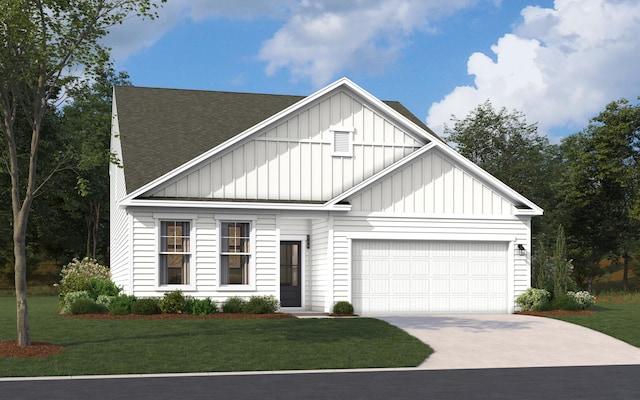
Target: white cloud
<point>324,38</point>
<point>560,66</point>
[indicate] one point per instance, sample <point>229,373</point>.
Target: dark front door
<point>290,274</point>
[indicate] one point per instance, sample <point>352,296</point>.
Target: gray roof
<point>161,129</point>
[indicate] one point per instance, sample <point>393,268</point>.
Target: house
<point>334,196</point>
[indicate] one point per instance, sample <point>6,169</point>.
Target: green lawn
<point>93,346</point>
<point>617,317</point>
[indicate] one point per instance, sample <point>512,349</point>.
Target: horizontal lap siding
<point>144,258</point>
<point>319,264</point>
<point>206,257</point>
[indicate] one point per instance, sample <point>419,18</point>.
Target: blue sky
<point>560,62</point>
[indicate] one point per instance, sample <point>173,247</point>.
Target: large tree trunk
<point>20,254</point>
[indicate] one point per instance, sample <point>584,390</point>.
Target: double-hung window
<point>235,252</point>
<point>175,252</point>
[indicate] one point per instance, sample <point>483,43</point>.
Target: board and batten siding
<point>432,184</point>
<point>510,229</point>
<point>293,161</point>
<point>205,256</point>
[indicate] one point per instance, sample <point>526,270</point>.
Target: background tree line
<point>588,184</point>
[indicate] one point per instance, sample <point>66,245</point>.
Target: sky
<point>558,62</point>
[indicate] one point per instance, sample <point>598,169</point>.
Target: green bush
<point>70,298</point>
<point>173,302</point>
<point>565,302</point>
<point>105,300</point>
<point>261,305</point>
<point>121,305</point>
<point>342,308</point>
<point>85,305</point>
<point>147,306</point>
<point>233,305</point>
<point>200,306</point>
<point>534,300</point>
<point>99,287</point>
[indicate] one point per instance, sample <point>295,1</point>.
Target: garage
<point>410,276</point>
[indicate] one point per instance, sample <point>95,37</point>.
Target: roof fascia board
<point>238,205</point>
<point>373,178</point>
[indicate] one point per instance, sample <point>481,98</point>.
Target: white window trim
<point>220,218</point>
<point>191,218</point>
<point>341,129</point>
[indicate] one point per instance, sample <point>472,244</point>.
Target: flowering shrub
<point>76,274</point>
<point>534,300</point>
<point>584,298</point>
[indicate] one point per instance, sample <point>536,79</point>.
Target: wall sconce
<point>308,242</point>
<point>521,249</point>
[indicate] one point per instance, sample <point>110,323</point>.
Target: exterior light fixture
<point>521,249</point>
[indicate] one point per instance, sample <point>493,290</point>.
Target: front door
<point>290,274</point>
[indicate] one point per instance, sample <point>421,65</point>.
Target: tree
<point>505,145</point>
<point>43,41</point>
<point>601,185</point>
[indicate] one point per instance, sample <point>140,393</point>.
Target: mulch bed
<point>10,348</point>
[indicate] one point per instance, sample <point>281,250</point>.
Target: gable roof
<point>161,129</point>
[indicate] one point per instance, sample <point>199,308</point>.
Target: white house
<point>334,196</point>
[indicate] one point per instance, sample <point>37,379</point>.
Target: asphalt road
<point>584,383</point>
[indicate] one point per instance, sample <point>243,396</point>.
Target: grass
<point>617,314</point>
<point>126,346</point>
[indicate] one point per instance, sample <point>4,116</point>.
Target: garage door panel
<point>429,276</point>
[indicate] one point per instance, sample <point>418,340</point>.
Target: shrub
<point>565,302</point>
<point>342,308</point>
<point>70,298</point>
<point>121,305</point>
<point>261,305</point>
<point>534,300</point>
<point>173,302</point>
<point>200,306</point>
<point>148,306</point>
<point>86,305</point>
<point>101,287</point>
<point>76,276</point>
<point>105,300</point>
<point>233,305</point>
<point>584,298</point>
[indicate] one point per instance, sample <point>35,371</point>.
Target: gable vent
<point>342,142</point>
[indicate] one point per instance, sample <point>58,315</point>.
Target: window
<point>175,252</point>
<point>342,141</point>
<point>235,253</point>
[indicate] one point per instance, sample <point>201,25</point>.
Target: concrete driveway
<point>512,341</point>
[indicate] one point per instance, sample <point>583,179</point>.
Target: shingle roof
<point>161,129</point>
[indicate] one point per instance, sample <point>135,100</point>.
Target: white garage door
<point>429,276</point>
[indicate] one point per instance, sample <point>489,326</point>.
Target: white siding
<point>293,160</point>
<point>508,229</point>
<point>431,185</point>
<point>320,264</point>
<point>205,256</point>
<point>119,261</point>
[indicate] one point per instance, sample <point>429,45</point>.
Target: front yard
<point>141,346</point>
